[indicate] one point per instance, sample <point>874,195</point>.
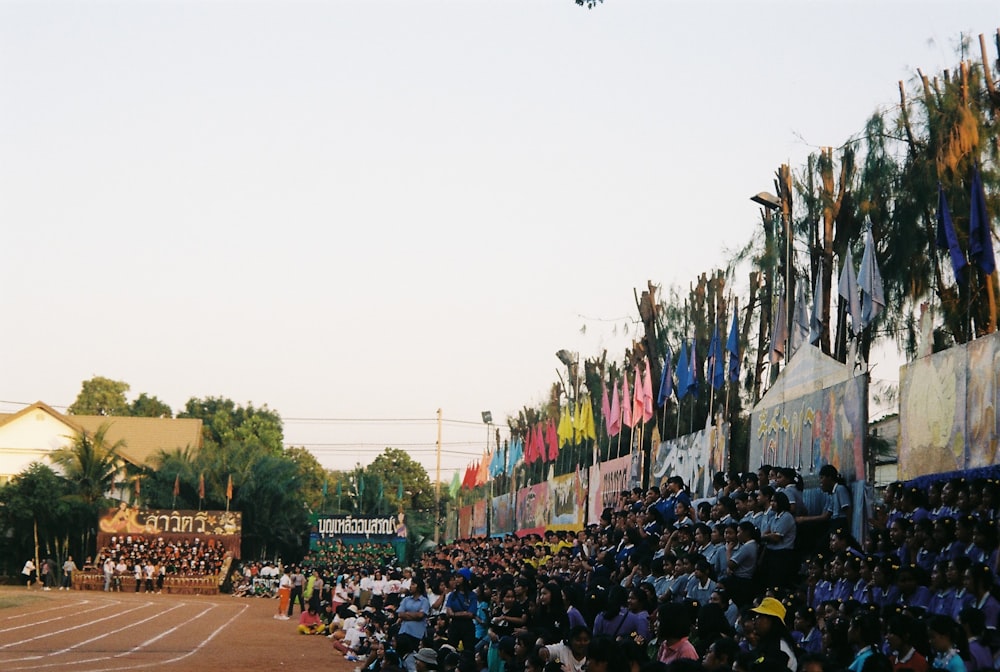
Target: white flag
<point>870,281</point>
<point>848,289</point>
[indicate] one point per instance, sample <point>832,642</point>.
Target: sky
<point>358,212</point>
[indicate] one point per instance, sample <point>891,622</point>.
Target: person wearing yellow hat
<point>774,641</point>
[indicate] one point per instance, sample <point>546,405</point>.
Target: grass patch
<point>9,598</point>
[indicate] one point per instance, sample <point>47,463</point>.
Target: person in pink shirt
<point>674,627</point>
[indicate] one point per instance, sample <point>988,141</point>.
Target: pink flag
<point>647,395</point>
<point>531,451</point>
<point>552,438</point>
<point>605,406</point>
<point>614,423</point>
<point>637,403</point>
<point>626,403</point>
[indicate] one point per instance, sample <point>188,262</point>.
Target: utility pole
<point>437,486</point>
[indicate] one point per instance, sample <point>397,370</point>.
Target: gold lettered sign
<point>131,520</point>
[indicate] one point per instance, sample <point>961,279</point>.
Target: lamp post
<point>488,421</point>
<point>772,204</point>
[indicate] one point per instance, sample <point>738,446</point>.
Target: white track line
<point>76,627</point>
<point>103,635</point>
<point>42,611</point>
<point>57,618</point>
<point>157,663</point>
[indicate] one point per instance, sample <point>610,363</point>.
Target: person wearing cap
<point>774,641</point>
<point>426,659</point>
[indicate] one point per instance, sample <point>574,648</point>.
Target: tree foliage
<point>101,396</point>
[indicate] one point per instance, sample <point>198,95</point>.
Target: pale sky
<point>367,209</point>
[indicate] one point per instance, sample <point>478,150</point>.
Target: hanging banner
<point>694,457</point>
<point>532,509</point>
<point>223,528</point>
<point>594,507</point>
<point>479,519</point>
<point>568,501</point>
<point>503,515</point>
<point>465,522</point>
<point>616,476</point>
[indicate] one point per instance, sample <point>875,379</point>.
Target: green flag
<point>340,489</point>
<point>324,489</point>
<point>455,485</point>
<point>381,490</point>
<point>399,490</point>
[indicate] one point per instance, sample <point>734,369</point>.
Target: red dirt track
<point>89,631</point>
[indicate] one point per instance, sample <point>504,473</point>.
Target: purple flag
<point>666,380</point>
<point>947,239</point>
<point>733,346</point>
<point>980,230</point>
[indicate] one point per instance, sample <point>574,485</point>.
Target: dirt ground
<point>90,631</point>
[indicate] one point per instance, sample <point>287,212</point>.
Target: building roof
<point>143,437</point>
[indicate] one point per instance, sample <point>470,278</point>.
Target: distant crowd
<point>748,581</point>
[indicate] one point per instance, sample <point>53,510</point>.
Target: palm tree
<point>90,463</point>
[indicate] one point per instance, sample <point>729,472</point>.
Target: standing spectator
<point>284,595</point>
<point>461,608</point>
<point>298,583</point>
<point>29,573</point>
<point>68,568</point>
<point>413,611</point>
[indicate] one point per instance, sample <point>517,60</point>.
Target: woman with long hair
<point>550,620</point>
<point>979,583</point>
<point>616,621</point>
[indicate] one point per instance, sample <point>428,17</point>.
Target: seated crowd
<point>747,581</point>
<point>149,560</point>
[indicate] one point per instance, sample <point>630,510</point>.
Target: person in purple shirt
<point>979,583</point>
<point>941,594</point>
<point>617,621</point>
<point>910,592</point>
<point>960,596</point>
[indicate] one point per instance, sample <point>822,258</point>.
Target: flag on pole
<point>325,487</point>
<point>515,453</point>
<point>587,429</point>
<point>733,346</point>
<point>564,433</point>
<point>177,485</point>
<point>716,367</point>
<point>615,421</point>
<point>201,485</point>
<point>870,281</point>
<point>800,320</point>
<point>947,239</point>
<point>682,371</point>
<point>637,397</point>
<point>455,485</point>
<point>626,402</point>
<point>980,229</point>
<point>552,438</point>
<point>779,333</point>
<point>692,379</point>
<point>647,394</point>
<point>137,486</point>
<point>229,488</point>
<point>340,490</point>
<point>605,405</point>
<point>399,491</point>
<point>816,321</point>
<point>847,287</point>
<point>666,380</point>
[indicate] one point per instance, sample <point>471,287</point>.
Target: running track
<point>95,631</point>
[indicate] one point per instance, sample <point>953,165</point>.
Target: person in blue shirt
<point>412,613</point>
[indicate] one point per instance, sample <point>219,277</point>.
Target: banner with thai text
<point>373,528</point>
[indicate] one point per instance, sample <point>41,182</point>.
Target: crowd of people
<point>747,581</point>
<point>150,560</point>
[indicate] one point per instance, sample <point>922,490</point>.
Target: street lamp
<point>772,204</point>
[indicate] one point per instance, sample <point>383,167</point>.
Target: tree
<point>275,519</point>
<point>90,464</point>
<point>383,476</point>
<point>224,422</point>
<point>312,478</point>
<point>101,396</point>
<point>145,406</point>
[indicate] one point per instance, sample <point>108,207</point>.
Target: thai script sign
<point>125,520</point>
<point>385,528</point>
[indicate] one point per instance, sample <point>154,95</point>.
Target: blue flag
<point>980,230</point>
<point>666,380</point>
<point>692,377</point>
<point>733,346</point>
<point>716,362</point>
<point>682,372</point>
<point>947,239</point>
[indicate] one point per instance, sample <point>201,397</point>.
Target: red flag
<point>229,488</point>
<point>530,454</point>
<point>552,438</point>
<point>177,485</point>
<point>201,486</point>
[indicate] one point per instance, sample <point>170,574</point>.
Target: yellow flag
<point>565,431</point>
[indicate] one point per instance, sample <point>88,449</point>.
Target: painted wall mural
<point>532,509</point>
<point>694,457</point>
<point>568,501</point>
<point>948,409</point>
<point>825,426</point>
<point>503,515</point>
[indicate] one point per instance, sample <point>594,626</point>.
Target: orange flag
<point>229,488</point>
<point>137,479</point>
<point>201,486</point>
<point>177,485</point>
